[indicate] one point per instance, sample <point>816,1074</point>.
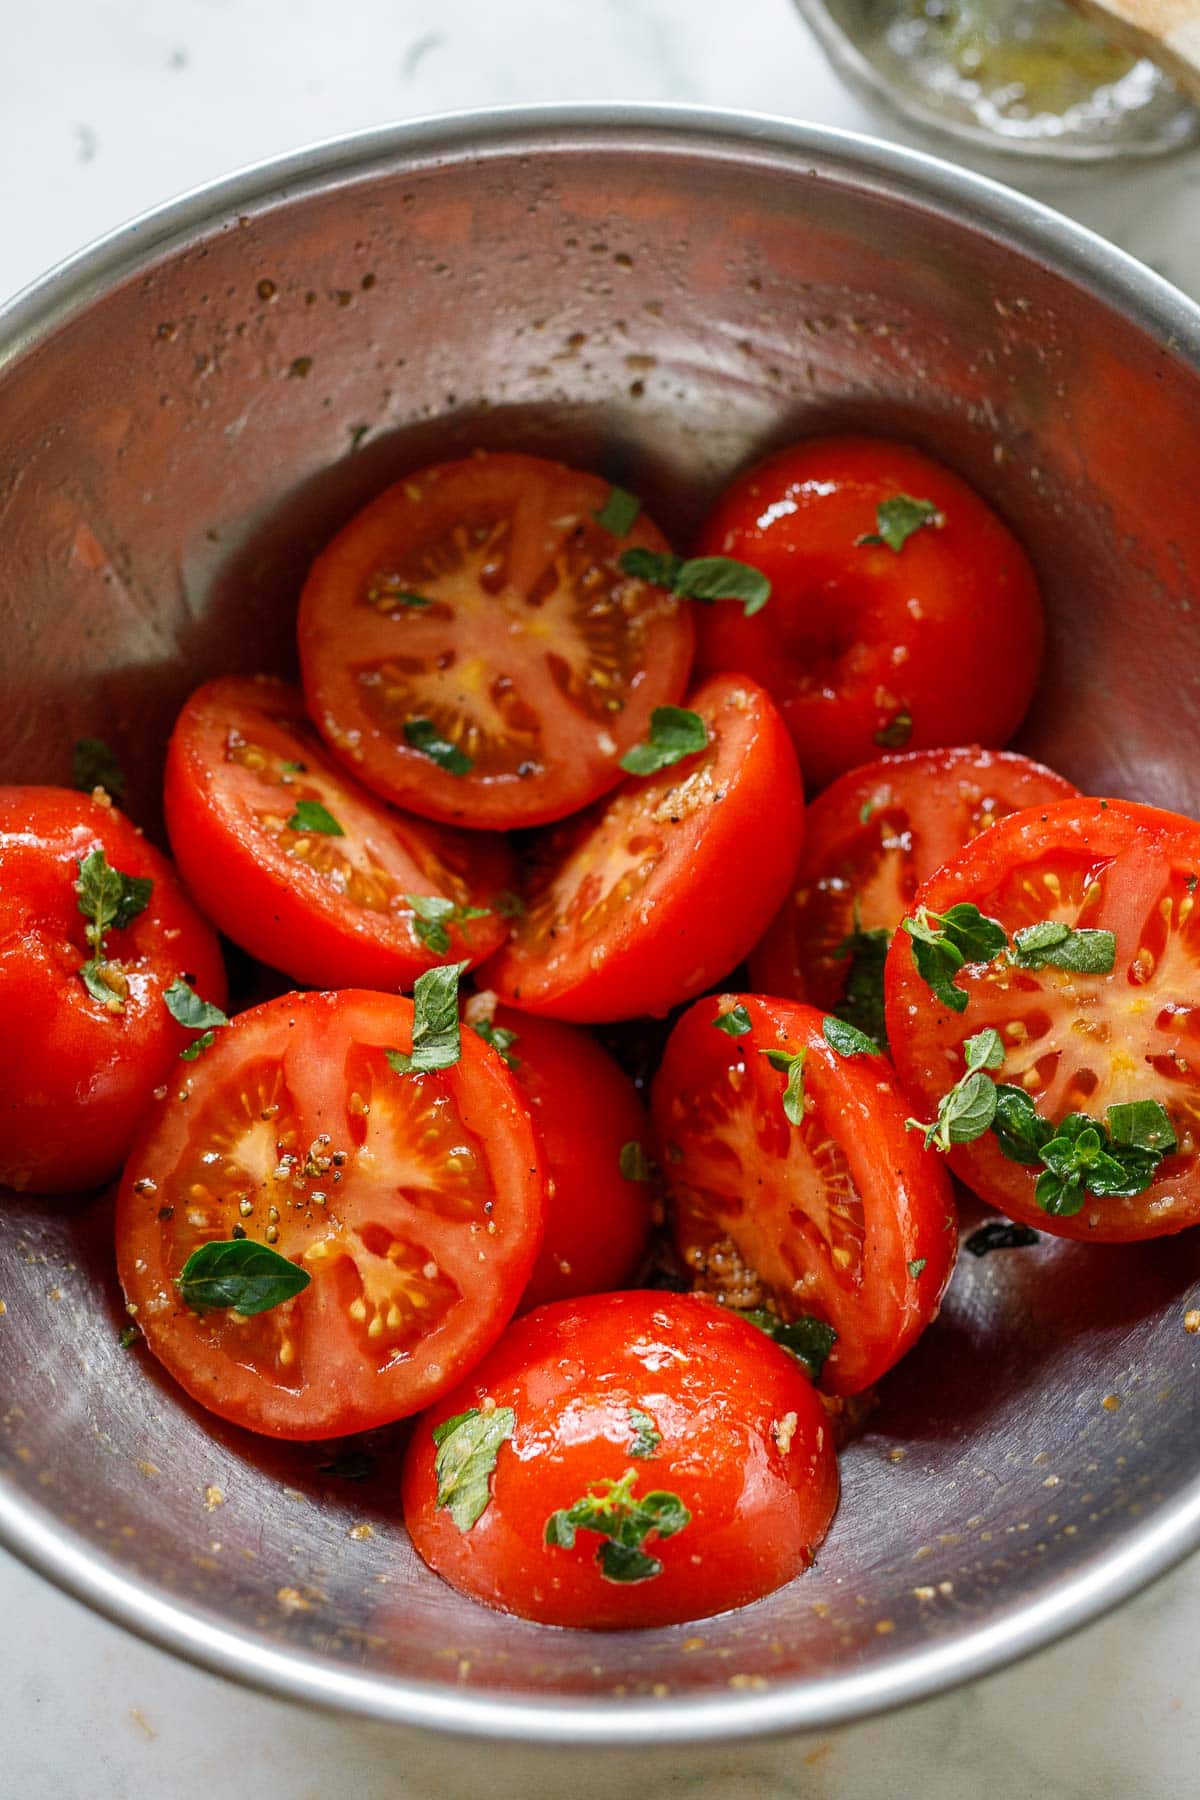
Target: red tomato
<point>414,1202</point>
<point>870,840</point>
<point>614,926</point>
<point>76,1072</point>
<point>633,1398</point>
<point>1074,1043</point>
<point>844,1217</point>
<point>329,909</point>
<point>585,1112</point>
<point>862,646</point>
<point>536,658</point>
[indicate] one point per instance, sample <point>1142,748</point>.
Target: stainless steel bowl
<point>187,412</point>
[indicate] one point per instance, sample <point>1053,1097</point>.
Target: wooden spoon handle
<point>1167,31</point>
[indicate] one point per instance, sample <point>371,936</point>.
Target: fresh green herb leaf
<point>1081,1155</point>
<point>967,1110</point>
<point>501,1040</point>
<point>634,1163</point>
<point>467,1447</point>
<point>896,732</point>
<point>734,1023</point>
<point>129,1334</point>
<point>1018,1126</point>
<point>943,943</point>
<point>406,597</point>
<point>619,511</point>
<point>310,815</point>
<point>998,1234</point>
<point>985,1050</point>
<point>424,736</point>
<point>865,811</point>
<point>240,1274</point>
<point>704,578</point>
<point>93,765</point>
<point>436,1038</point>
<point>109,901</point>
<point>790,1064</point>
<point>624,1522</point>
<point>189,1010</point>
<point>917,1267</point>
<point>508,904</point>
<point>198,1046</point>
<point>846,1039</point>
<point>809,1340</point>
<point>1142,1125</point>
<point>433,916</point>
<point>647,1436</point>
<point>861,1004</point>
<point>674,733</point>
<point>897,518</point>
<point>1059,946</point>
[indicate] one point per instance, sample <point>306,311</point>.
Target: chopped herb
<point>1018,1127</point>
<point>809,1340</point>
<point>467,1448</point>
<point>865,811</point>
<point>1142,1125</point>
<point>791,1064</point>
<point>501,1040</point>
<point>128,1336</point>
<point>198,1046</point>
<point>241,1275</point>
<point>406,597</point>
<point>847,1039</point>
<point>943,943</point>
<point>896,732</point>
<point>1116,1158</point>
<point>998,1234</point>
<point>310,815</point>
<point>633,1162</point>
<point>1191,883</point>
<point>1056,944</point>
<point>735,1023</point>
<point>917,1267</point>
<point>897,518</point>
<point>619,511</point>
<point>508,904</point>
<point>109,901</point>
<point>292,768</point>
<point>436,1039</point>
<point>861,1004</point>
<point>189,1010</point>
<point>93,765</point>
<point>624,1522</point>
<point>704,578</point>
<point>350,1465</point>
<point>424,736</point>
<point>432,915</point>
<point>967,1110</point>
<point>674,733</point>
<point>647,1436</point>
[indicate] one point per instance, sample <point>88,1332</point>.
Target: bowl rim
<point>1154,1544</point>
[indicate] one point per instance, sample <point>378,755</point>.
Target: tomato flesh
<point>329,909</point>
<point>75,1074</point>
<point>612,927</point>
<point>870,840</point>
<point>862,646</point>
<point>414,1202</point>
<point>536,657</point>
<point>1073,1042</point>
<point>843,1217</point>
<point>742,1442</point>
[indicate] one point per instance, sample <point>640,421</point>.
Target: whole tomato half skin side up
<point>735,1433</point>
<point>414,1202</point>
<point>76,1076</point>
<point>659,891</point>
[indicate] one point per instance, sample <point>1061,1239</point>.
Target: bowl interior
<point>183,422</point>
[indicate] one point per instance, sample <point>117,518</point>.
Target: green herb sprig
<point>624,1522</point>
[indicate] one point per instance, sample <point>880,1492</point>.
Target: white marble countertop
<point>107,107</point>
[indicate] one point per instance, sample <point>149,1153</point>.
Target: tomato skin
<point>1107,1026</point>
<point>368,1230</point>
<point>741,1179</point>
<point>716,1389</point>
<point>948,630</point>
<point>279,907</point>
<point>729,824</point>
<point>552,653</point>
<point>921,808</point>
<point>585,1109</point>
<point>75,1078</point>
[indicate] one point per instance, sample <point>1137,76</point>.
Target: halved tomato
<point>303,867</point>
<point>843,1217</point>
<point>472,649</point>
<point>870,840</point>
<point>1074,1043</point>
<point>413,1201</point>
<point>653,896</point>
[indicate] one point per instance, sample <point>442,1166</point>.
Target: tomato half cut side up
<point>658,892</point>
<point>870,840</point>
<point>305,869</point>
<point>473,650</point>
<point>414,1203</point>
<point>843,1217</point>
<point>1074,1043</point>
